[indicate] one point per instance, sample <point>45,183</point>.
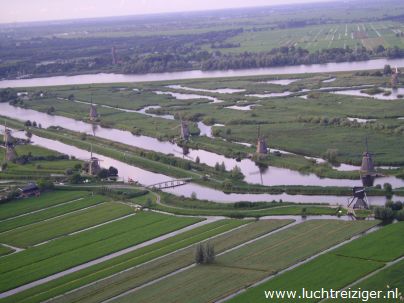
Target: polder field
<point>199,157</point>
<point>317,37</point>
<point>76,245</point>
<point>35,162</point>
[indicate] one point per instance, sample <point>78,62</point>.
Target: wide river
<point>195,74</point>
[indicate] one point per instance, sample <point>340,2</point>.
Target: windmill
<point>262,148</point>
<point>359,200</point>
<point>395,78</point>
<point>185,134</point>
<point>93,110</point>
<point>368,174</point>
<point>93,164</point>
<point>9,144</point>
<point>367,171</point>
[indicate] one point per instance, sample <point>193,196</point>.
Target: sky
<point>41,10</point>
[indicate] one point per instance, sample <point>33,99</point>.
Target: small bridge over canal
<point>170,183</point>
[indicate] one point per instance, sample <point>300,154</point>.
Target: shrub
<point>384,213</point>
<point>400,215</point>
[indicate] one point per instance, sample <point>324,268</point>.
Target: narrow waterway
<point>271,176</point>
<point>145,178</point>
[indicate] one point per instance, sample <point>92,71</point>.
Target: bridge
<point>170,183</point>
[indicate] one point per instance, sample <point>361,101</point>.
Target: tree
<point>28,134</point>
<point>50,110</point>
<point>209,253</point>
<point>103,173</point>
<point>28,123</point>
<point>199,254</point>
<point>148,203</point>
<point>387,69</point>
<point>388,188</point>
<point>384,213</point>
<point>197,160</point>
<point>193,195</point>
<point>331,155</point>
<point>112,171</point>
<point>76,179</point>
<point>236,173</point>
<point>45,184</point>
<point>205,253</point>
<point>70,97</point>
<point>222,167</point>
<point>398,205</point>
<point>7,95</point>
<point>400,215</point>
<point>68,171</point>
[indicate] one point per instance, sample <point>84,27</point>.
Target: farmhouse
<point>30,190</point>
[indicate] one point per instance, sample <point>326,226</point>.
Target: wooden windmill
<point>262,148</point>
<point>367,171</point>
<point>359,200</point>
<point>185,134</point>
<point>93,164</point>
<point>395,79</point>
<point>9,144</point>
<point>93,110</point>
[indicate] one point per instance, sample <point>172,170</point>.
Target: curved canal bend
<point>272,176</point>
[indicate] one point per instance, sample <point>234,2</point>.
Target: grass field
<point>158,268</point>
<point>154,269</point>
<point>40,232</point>
<point>5,250</point>
<point>40,261</point>
<point>373,246</point>
<point>25,206</point>
<point>341,267</point>
<point>36,169</point>
<point>50,213</point>
<point>317,37</point>
<point>387,279</point>
<point>247,264</point>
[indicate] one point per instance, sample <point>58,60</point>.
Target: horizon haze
<point>20,11</point>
